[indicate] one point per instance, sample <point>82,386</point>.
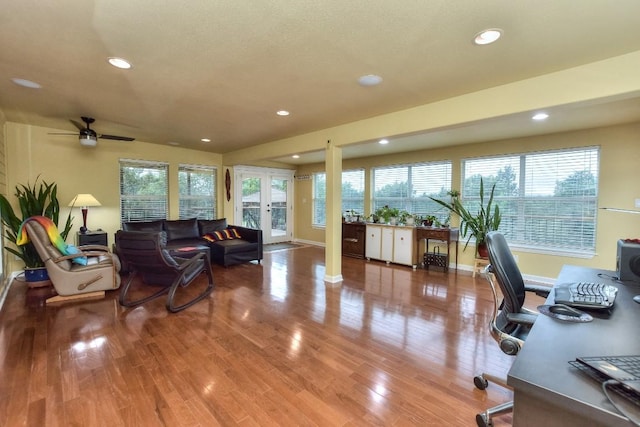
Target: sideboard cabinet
<point>391,243</point>
<point>353,239</point>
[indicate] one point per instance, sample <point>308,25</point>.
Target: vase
<point>483,252</point>
<point>36,277</point>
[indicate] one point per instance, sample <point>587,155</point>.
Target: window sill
<point>553,252</point>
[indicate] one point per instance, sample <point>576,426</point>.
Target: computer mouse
<point>565,310</point>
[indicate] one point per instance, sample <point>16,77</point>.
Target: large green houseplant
<point>478,224</point>
<point>39,199</point>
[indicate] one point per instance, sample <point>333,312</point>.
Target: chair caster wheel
<point>483,421</point>
<point>480,382</point>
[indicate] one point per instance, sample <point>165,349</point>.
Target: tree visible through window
<point>352,194</point>
<point>409,187</point>
<point>548,200</point>
<point>143,190</point>
<point>197,186</point>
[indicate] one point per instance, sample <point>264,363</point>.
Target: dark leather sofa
<point>184,233</point>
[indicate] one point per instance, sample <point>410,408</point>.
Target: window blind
<point>197,192</point>
<point>352,194</point>
<point>548,200</point>
<point>409,187</point>
<point>143,190</point>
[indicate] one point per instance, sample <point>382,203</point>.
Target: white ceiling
<point>222,69</point>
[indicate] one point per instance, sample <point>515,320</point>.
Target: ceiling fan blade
<point>79,125</point>
<point>117,138</point>
<point>62,133</point>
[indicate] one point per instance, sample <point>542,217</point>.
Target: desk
<point>547,390</point>
<point>448,235</point>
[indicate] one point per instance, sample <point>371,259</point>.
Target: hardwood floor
<point>273,345</point>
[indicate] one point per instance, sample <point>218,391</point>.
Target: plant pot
<point>483,252</point>
<point>36,277</point>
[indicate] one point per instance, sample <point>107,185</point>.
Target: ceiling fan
<point>88,137</point>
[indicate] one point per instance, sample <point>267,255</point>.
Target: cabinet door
<point>386,251</point>
<point>373,240</point>
<point>403,248</point>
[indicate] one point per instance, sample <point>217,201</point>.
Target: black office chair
<point>145,253</point>
<point>511,321</point>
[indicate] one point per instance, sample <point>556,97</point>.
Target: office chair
<point>145,253</point>
<point>511,321</point>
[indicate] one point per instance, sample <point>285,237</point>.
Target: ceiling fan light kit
<point>88,137</point>
<point>88,140</point>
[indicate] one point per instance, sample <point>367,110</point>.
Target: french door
<point>264,201</point>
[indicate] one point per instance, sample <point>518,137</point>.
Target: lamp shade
<point>84,200</point>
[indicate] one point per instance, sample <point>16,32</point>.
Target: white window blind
<point>409,187</point>
<point>197,188</point>
<point>353,191</point>
<point>352,194</point>
<point>548,200</point>
<point>143,190</point>
<point>319,199</point>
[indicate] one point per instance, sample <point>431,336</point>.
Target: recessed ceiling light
<point>205,140</point>
<point>540,116</point>
<point>282,113</point>
<point>296,156</point>
<point>383,141</point>
<point>487,36</point>
<point>120,63</point>
<point>26,83</point>
<point>370,80</point>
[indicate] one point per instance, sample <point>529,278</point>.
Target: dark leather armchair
<point>146,253</point>
<point>511,321</point>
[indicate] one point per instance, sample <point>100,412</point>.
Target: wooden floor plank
<point>272,345</point>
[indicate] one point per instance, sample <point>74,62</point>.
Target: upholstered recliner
<point>69,278</point>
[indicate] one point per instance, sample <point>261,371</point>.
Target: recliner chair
<point>72,279</point>
<point>146,253</point>
<point>511,321</point>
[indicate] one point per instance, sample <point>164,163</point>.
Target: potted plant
<point>386,214</point>
<point>475,225</point>
<point>33,200</point>
<point>429,220</point>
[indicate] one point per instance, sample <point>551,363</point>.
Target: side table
<point>97,237</point>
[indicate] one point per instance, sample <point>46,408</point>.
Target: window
<point>143,190</point>
<point>352,194</point>
<point>548,200</point>
<point>409,187</point>
<point>319,199</point>
<point>197,185</point>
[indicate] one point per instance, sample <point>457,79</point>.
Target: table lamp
<point>84,200</point>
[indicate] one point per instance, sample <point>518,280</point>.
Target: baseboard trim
<point>333,279</point>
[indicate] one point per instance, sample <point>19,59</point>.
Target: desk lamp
<point>84,200</point>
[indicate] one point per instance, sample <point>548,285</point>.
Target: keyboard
<point>625,370</point>
<point>586,295</point>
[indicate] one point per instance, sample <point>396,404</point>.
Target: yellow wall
<point>619,177</point>
<point>4,267</point>
<point>31,152</point>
